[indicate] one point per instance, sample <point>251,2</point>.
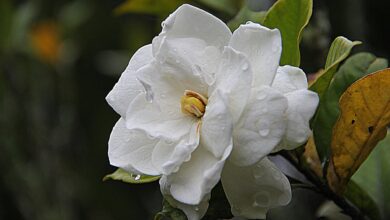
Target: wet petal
<point>253,190</point>
<point>217,126</point>
<point>169,154</point>
<point>289,79</point>
<point>263,48</point>
<point>127,88</point>
<point>261,126</point>
<point>196,178</point>
<point>131,150</point>
<point>302,105</point>
<point>233,79</point>
<point>193,212</point>
<point>189,21</point>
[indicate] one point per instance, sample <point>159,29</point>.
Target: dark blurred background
<point>59,59</point>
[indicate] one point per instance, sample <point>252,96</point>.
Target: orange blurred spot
<point>45,41</point>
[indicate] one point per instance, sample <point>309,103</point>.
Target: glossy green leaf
<point>373,176</point>
<point>244,15</point>
<point>290,17</point>
<point>353,69</point>
<point>362,200</point>
<point>170,212</point>
<point>126,177</point>
<point>338,52</point>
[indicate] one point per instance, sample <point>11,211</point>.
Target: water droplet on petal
<point>151,137</point>
<point>261,96</point>
<point>258,173</point>
<point>136,176</point>
<point>245,66</point>
<point>169,142</point>
<point>148,91</point>
<point>197,69</point>
<point>264,132</point>
<point>261,199</point>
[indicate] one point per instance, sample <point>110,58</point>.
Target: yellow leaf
<point>365,114</point>
<point>311,158</point>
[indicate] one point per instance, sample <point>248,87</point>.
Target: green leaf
<point>362,200</point>
<point>244,15</point>
<point>170,212</point>
<point>126,177</point>
<point>154,7</point>
<point>227,6</point>
<point>290,17</point>
<point>373,175</point>
<point>339,51</point>
<point>353,69</point>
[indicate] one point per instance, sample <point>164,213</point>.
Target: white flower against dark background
<point>201,104</point>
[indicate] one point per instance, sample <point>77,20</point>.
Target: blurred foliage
<point>59,59</point>
<point>373,176</point>
<point>353,69</point>
<point>363,121</point>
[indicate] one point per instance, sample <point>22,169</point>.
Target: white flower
<point>200,105</point>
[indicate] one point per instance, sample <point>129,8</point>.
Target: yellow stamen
<point>193,103</point>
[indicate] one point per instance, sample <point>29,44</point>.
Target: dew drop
<point>261,96</point>
<point>137,177</point>
<point>264,132</point>
<point>258,173</point>
<point>261,199</point>
<point>148,91</point>
<point>197,69</point>
<point>127,139</point>
<point>151,137</point>
<point>167,141</point>
<point>245,66</point>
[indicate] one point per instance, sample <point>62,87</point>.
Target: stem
<point>324,189</point>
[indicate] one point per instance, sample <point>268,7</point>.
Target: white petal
<point>189,21</point>
<point>302,105</point>
<point>131,149</point>
<point>197,177</point>
<point>289,78</point>
<point>189,61</point>
<point>260,128</point>
<point>233,79</point>
<point>157,120</point>
<point>217,127</point>
<point>127,88</point>
<point>168,155</point>
<point>253,190</point>
<point>263,48</point>
<point>193,212</point>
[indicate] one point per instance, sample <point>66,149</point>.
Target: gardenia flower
<point>201,105</point>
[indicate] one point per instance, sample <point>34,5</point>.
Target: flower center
<point>193,103</point>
